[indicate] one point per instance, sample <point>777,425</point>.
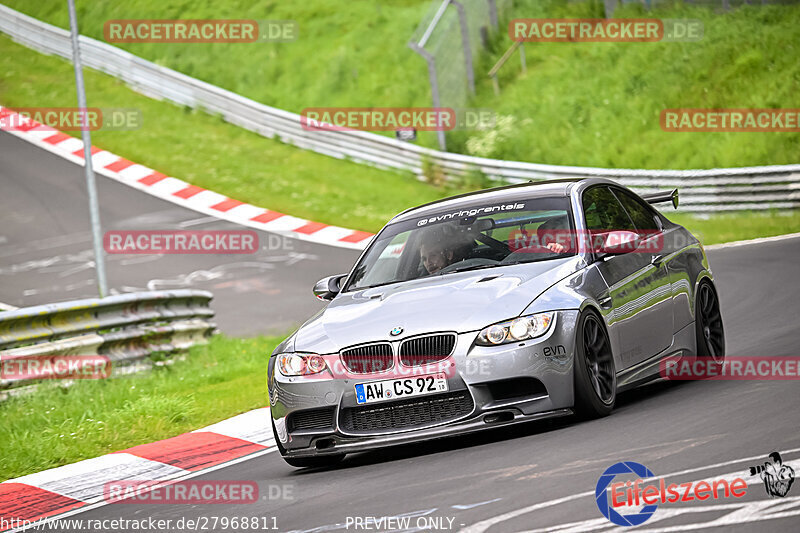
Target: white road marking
<point>252,426</point>
<point>191,475</point>
<point>85,480</point>
<point>205,198</point>
<point>752,241</point>
<point>71,145</point>
<point>135,172</point>
<point>46,243</point>
<point>473,505</point>
<point>740,513</point>
<point>197,222</point>
<point>484,525</point>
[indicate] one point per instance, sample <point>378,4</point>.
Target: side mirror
<point>618,242</point>
<point>328,288</point>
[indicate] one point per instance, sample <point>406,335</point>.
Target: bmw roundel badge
<point>397,330</point>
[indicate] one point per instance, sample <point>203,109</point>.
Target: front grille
<point>404,414</point>
<point>428,349</point>
<point>311,419</point>
<point>368,358</point>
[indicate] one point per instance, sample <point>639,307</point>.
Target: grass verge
<point>206,151</point>
<point>598,104</point>
<point>719,228</point>
<point>590,104</point>
<point>211,153</point>
<point>57,426</point>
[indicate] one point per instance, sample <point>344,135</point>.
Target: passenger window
<point>604,212</point>
<point>643,218</point>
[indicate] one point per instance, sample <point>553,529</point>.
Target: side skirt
<point>683,345</point>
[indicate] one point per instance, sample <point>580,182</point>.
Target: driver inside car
<point>441,246</point>
<point>434,254</point>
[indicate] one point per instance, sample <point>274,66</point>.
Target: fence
<point>453,33</point>
<point>610,5</point>
<point>701,190</point>
<point>449,39</point>
<point>125,329</point>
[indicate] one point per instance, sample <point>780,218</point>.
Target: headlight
<point>300,364</point>
<point>518,329</point>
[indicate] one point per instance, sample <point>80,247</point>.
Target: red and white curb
<point>177,191</point>
<point>75,487</point>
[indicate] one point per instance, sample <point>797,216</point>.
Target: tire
<point>594,373</point>
<point>305,462</point>
<point>709,331</point>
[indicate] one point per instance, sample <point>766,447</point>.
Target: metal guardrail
<point>124,328</point>
<point>702,190</point>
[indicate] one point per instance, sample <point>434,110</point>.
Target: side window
<point>603,211</point>
<point>642,216</point>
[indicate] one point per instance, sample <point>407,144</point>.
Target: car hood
<point>461,302</point>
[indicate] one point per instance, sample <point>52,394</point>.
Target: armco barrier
<point>701,190</point>
<point>124,328</point>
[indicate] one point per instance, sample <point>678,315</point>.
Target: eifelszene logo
<point>643,497</point>
<point>601,494</point>
<point>778,477</point>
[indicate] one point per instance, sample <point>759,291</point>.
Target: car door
<point>639,290</point>
<point>665,247</point>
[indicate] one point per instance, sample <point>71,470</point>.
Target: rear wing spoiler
<point>663,196</point>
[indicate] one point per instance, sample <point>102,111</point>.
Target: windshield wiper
<point>468,268</point>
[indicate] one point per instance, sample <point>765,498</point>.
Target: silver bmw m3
<point>493,308</point>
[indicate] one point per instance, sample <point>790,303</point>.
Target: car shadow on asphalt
<point>625,400</point>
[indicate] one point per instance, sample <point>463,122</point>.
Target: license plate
<point>394,389</point>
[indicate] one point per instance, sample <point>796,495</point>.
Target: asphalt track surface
<point>46,249</point>
<point>539,475</point>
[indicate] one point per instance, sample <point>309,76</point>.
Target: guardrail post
<point>434,80</point>
<point>492,13</point>
<point>462,20</point>
<point>610,5</point>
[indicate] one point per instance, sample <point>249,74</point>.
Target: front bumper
<point>496,386</point>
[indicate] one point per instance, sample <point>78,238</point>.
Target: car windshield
<point>467,238</point>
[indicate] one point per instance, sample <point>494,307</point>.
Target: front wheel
<point>594,372</point>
